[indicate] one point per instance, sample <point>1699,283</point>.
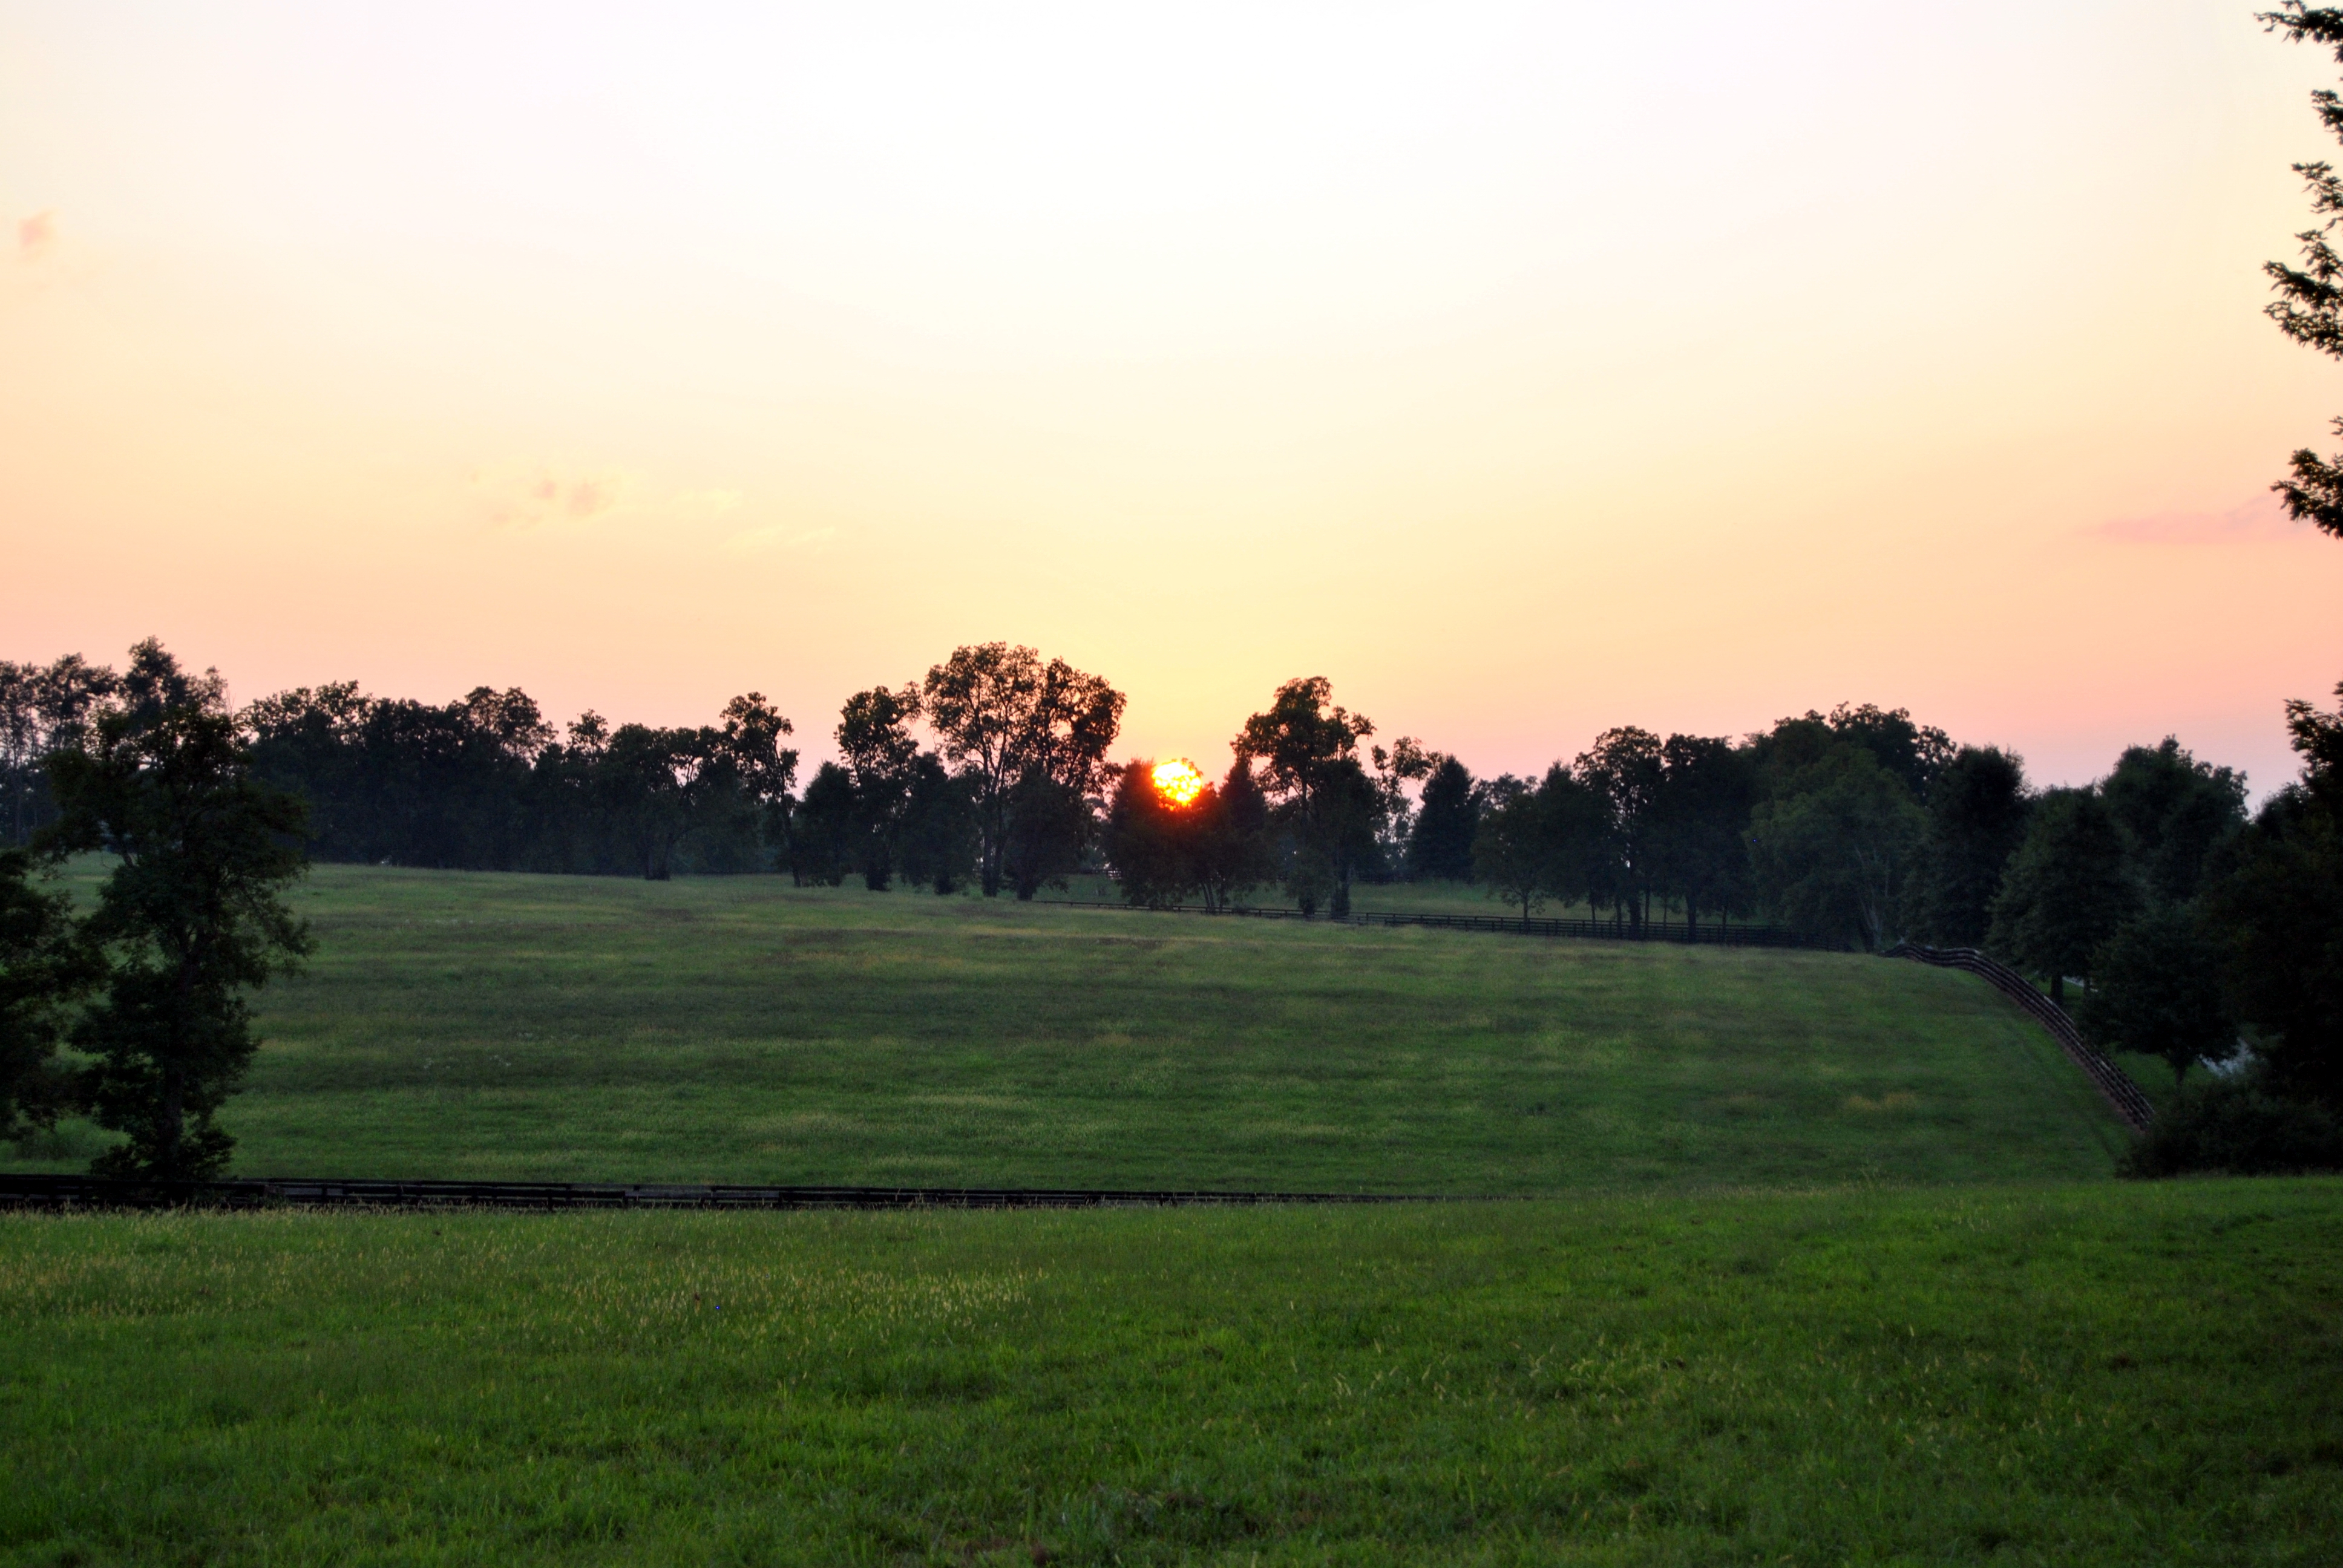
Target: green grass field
<point>2086,1373</point>
<point>736,1029</point>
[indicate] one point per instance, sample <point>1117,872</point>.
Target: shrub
<point>2237,1126</point>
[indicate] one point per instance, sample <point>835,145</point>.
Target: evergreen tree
<point>1446,818</point>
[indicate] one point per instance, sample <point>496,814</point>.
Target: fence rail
<point>1718,935</point>
<point>66,1193</point>
<point>2115,1085</point>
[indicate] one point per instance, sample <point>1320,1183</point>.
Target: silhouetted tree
<point>1153,842</point>
<point>1234,853</point>
<point>2278,912</point>
<point>1832,845</point>
<point>1447,819</point>
<point>2174,812</point>
<point>1625,768</point>
<point>2155,989</point>
<point>1977,816</point>
<point>936,847</point>
<point>1306,748</point>
<point>1030,736</point>
<point>44,967</point>
<point>875,741</point>
<point>1700,819</point>
<point>1547,841</point>
<point>825,831</point>
<point>2065,891</point>
<point>190,916</point>
<point>2309,304</point>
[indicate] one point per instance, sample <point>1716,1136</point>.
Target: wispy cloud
<point>545,497</point>
<point>36,235</point>
<point>761,541</point>
<point>2258,521</point>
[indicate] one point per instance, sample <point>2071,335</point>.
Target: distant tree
<point>1447,819</point>
<point>1700,822</point>
<point>1305,747</point>
<point>876,743</point>
<point>649,780</point>
<point>43,709</point>
<point>1832,845</point>
<point>1155,844</point>
<point>2277,911</point>
<point>2174,812</point>
<point>2309,304</point>
<point>1513,854</point>
<point>1233,844</point>
<point>1626,767</point>
<point>1543,842</point>
<point>2065,891</point>
<point>826,831</point>
<point>1913,752</point>
<point>1406,762</point>
<point>44,967</point>
<point>938,843</point>
<point>2155,989</point>
<point>1016,725</point>
<point>191,916</point>
<point>1977,816</point>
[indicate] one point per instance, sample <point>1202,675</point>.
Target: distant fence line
<point>2114,1084</point>
<point>1719,935</point>
<point>69,1192</point>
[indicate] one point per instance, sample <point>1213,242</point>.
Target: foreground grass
<point>2088,1375</point>
<point>470,1025</point>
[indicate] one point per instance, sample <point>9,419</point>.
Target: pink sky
<point>1524,369</point>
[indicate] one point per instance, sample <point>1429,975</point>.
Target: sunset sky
<point>1524,369</point>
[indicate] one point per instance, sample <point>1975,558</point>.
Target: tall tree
<point>937,846</point>
<point>2174,812</point>
<point>1306,748</point>
<point>825,831</point>
<point>1977,811</point>
<point>1446,818</point>
<point>1832,845</point>
<point>2067,890</point>
<point>44,967</point>
<point>2309,304</point>
<point>1547,841</point>
<point>2156,989</point>
<point>1625,767</point>
<point>2278,913</point>
<point>1707,788</point>
<point>1030,737</point>
<point>1232,840</point>
<point>876,743</point>
<point>192,915</point>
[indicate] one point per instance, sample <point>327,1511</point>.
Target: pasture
<point>2075,1374</point>
<point>740,1029</point>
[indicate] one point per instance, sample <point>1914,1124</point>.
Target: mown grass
<point>2096,1373</point>
<point>472,1025</point>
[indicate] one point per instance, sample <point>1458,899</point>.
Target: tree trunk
<point>2058,989</point>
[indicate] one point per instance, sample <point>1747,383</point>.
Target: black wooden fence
<point>1717,934</point>
<point>64,1192</point>
<point>2113,1084</point>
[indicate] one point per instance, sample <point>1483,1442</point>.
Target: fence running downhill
<point>1717,935</point>
<point>2115,1085</point>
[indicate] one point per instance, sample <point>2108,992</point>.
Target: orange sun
<point>1177,780</point>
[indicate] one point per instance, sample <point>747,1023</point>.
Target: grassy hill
<point>462,1024</point>
<point>2101,1374</point>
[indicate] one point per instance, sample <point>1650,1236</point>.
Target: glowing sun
<point>1177,780</point>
